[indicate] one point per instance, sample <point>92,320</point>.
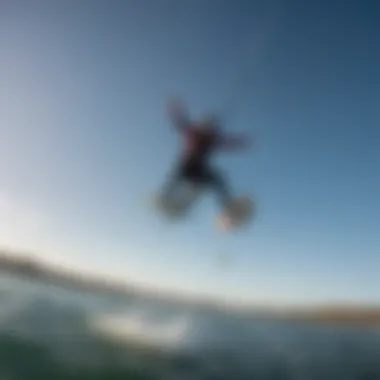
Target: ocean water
<point>47,332</point>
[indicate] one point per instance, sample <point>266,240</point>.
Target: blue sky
<point>84,141</point>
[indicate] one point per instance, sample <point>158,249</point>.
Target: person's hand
<point>248,141</point>
<point>178,115</point>
<point>176,107</point>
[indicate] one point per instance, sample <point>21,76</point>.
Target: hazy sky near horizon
<point>85,143</point>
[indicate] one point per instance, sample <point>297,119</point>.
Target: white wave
<point>138,327</point>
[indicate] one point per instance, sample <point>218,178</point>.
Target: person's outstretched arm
<point>234,142</point>
<point>179,116</point>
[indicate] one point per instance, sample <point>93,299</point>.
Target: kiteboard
<point>176,207</point>
<point>237,215</point>
<point>170,208</point>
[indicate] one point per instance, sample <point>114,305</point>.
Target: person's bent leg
<point>172,183</point>
<point>219,184</point>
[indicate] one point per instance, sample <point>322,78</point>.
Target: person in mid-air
<point>201,140</point>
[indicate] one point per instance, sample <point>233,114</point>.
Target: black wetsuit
<point>194,164</point>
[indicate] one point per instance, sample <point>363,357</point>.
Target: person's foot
<point>231,208</point>
<point>223,222</point>
<point>235,213</point>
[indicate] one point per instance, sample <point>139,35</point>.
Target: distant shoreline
<point>36,270</point>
